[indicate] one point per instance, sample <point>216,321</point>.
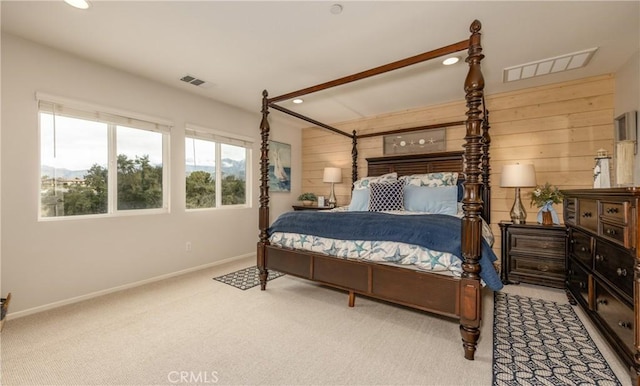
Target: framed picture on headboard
<point>416,142</point>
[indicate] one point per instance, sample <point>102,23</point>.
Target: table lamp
<point>332,175</point>
<point>518,176</point>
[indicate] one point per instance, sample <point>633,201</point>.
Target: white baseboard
<point>29,311</point>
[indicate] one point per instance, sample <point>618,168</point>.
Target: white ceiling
<point>243,47</point>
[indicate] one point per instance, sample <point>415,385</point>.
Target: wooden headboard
<point>451,161</point>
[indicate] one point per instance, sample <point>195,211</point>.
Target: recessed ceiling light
<point>450,61</point>
<point>336,9</point>
<point>298,101</point>
<point>80,4</point>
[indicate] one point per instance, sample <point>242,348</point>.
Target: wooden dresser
<point>603,270</point>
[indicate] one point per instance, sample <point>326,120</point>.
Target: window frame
<point>218,138</point>
<point>112,118</point>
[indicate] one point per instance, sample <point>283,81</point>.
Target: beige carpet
<point>195,330</point>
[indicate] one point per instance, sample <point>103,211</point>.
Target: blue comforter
<point>433,231</point>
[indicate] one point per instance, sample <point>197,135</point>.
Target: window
<point>216,168</point>
<point>94,162</point>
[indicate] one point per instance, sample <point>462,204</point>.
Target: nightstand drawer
<point>531,268</point>
<point>616,265</point>
<point>540,243</point>
<point>616,315</point>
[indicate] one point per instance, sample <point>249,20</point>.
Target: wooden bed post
<point>470,296</point>
<point>486,168</point>
<point>263,214</point>
<point>354,158</point>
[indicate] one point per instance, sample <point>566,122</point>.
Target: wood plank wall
<point>558,128</point>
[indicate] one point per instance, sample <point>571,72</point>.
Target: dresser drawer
<point>616,265</point>
<point>569,212</point>
<point>615,211</point>
<point>619,234</point>
<point>578,281</point>
<point>616,315</point>
<point>588,214</point>
<point>580,247</point>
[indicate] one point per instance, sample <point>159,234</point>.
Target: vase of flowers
<point>543,197</point>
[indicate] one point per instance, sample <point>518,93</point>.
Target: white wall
<point>628,98</point>
<point>45,263</point>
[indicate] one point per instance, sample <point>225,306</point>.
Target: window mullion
<point>166,189</point>
<point>112,179</point>
<point>218,176</point>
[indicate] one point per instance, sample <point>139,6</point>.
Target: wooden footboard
<point>425,291</point>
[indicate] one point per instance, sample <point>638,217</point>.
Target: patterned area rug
<point>246,278</point>
<point>538,342</point>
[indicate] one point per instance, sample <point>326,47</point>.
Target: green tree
<point>139,183</point>
<point>139,187</point>
<point>200,190</point>
<point>90,198</point>
<point>233,191</point>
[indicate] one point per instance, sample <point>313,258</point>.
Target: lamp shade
<point>518,176</point>
<point>332,175</point>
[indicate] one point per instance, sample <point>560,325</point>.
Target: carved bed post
<point>486,168</point>
<point>263,214</point>
<point>470,302</point>
<point>354,158</point>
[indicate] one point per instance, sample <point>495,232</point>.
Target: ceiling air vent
<point>195,81</point>
<point>549,66</point>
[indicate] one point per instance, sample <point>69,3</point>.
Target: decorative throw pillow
<point>386,196</point>
<point>363,183</point>
<point>437,200</point>
<point>432,179</point>
<point>359,200</point>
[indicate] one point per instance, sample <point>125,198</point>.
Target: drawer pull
<point>624,324</point>
<point>621,272</point>
<point>582,285</point>
<point>586,214</point>
<point>584,249</point>
<point>612,210</point>
<point>604,302</point>
<point>599,258</point>
<point>545,267</point>
<point>610,232</point>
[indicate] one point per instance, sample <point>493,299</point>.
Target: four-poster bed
<point>453,296</point>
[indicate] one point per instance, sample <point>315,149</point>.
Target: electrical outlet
<point>187,246</point>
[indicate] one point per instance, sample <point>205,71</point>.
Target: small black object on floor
<point>246,278</point>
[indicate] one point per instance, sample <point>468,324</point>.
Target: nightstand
<point>533,253</point>
<point>310,207</point>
